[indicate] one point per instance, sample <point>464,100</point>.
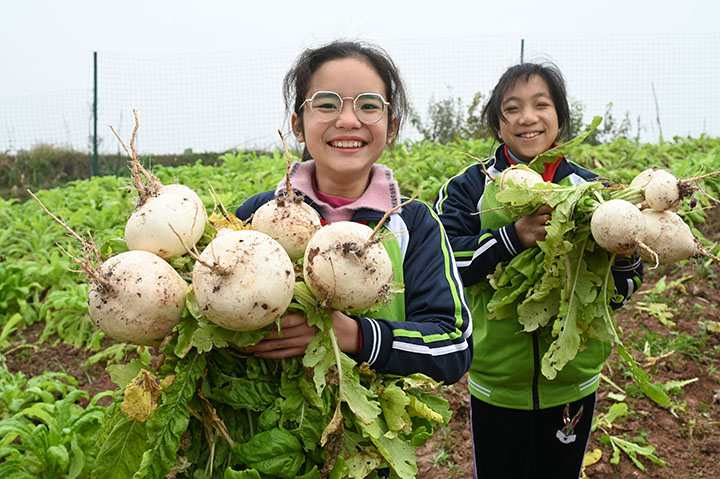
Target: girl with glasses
<point>347,102</point>
<point>515,410</point>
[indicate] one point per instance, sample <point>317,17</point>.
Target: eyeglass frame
<point>386,104</point>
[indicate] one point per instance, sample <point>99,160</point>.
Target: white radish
<point>663,191</point>
<point>243,280</point>
<point>287,218</point>
<point>518,175</point>
<point>136,298</point>
<point>163,223</point>
<point>182,190</point>
<point>346,268</point>
<point>618,226</point>
<point>670,237</point>
<point>643,178</point>
<point>168,219</point>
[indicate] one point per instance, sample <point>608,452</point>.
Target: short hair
<point>492,112</point>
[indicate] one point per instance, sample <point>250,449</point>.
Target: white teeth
<point>347,144</point>
<point>529,135</point>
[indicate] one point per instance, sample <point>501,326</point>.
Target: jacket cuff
<point>507,237</point>
<point>376,341</point>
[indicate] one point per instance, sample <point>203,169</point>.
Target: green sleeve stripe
<point>484,237</point>
<point>469,254</point>
<point>456,298</point>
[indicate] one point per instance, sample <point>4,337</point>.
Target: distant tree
<point>448,120</point>
<point>610,128</point>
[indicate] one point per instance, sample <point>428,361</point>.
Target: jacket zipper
<point>536,373</point>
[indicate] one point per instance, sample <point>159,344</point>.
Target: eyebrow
<point>536,95</point>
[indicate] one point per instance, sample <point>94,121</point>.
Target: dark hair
<point>297,81</point>
<point>492,112</point>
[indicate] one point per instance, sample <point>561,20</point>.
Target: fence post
<point>522,50</point>
<point>95,138</point>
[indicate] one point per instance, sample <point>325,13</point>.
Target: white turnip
<point>670,237</point>
<point>663,191</point>
<point>346,268</point>
<point>168,219</point>
<point>164,222</point>
<point>518,175</point>
<point>618,226</point>
<point>287,218</point>
<point>243,280</point>
<point>136,298</point>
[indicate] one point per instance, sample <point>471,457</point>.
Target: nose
<point>347,117</point>
<point>528,116</point>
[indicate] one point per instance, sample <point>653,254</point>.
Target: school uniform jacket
<point>427,328</point>
<point>506,368</point>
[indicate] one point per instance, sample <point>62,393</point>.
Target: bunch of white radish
<point>135,297</point>
<point>652,228</point>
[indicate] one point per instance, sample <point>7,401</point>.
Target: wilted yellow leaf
<point>141,396</point>
<point>713,326</point>
<point>228,220</point>
<point>591,457</point>
<point>420,409</point>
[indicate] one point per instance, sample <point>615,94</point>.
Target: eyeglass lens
<point>326,106</point>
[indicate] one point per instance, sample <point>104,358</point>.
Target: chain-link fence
<point>666,84</point>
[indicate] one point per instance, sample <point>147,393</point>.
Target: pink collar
<point>382,194</point>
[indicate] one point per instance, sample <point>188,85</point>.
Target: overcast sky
<point>44,44</point>
<point>198,61</point>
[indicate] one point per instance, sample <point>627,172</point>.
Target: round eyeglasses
<point>325,106</point>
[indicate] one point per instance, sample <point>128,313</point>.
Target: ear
<point>392,129</point>
<point>297,130</point>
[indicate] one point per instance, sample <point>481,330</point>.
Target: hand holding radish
<point>295,334</point>
<point>532,228</point>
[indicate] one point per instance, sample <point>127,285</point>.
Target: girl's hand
<point>531,228</point>
<point>297,334</point>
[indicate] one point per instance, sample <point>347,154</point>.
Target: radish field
<point>60,374</point>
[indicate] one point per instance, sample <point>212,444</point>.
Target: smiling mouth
<point>531,134</point>
<point>347,144</point>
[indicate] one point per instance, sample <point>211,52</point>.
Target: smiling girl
<point>347,103</point>
<point>524,425</point>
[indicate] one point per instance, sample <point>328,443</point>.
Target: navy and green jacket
<point>427,328</point>
<point>506,367</point>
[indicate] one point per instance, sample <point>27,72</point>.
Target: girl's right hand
<point>531,228</point>
<point>297,334</point>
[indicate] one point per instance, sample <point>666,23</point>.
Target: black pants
<point>517,444</point>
